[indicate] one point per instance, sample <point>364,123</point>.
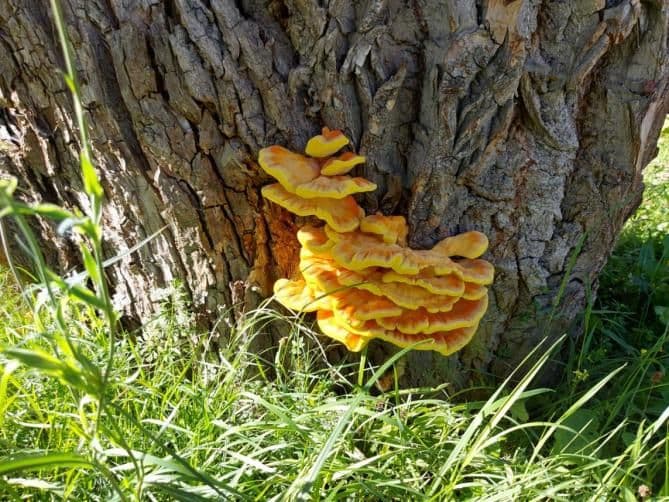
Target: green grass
<point>179,425</point>
<point>88,413</point>
<point>636,279</point>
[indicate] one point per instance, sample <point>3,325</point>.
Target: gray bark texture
<point>529,120</point>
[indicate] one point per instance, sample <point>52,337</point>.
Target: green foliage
<point>636,281</point>
<point>178,425</point>
<point>87,413</point>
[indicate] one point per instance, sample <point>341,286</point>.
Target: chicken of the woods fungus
<point>357,272</point>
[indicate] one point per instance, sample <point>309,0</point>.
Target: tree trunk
<point>528,120</point>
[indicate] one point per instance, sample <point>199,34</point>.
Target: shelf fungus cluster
<point>358,273</point>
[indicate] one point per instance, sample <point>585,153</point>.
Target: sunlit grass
<point>87,413</point>
<point>241,433</point>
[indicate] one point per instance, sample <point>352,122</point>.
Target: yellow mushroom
<point>297,295</point>
<point>393,229</point>
<point>474,291</point>
<point>450,284</point>
<point>444,342</point>
<point>342,164</point>
<point>325,144</point>
<point>314,239</point>
<point>468,245</point>
<point>334,187</point>
<point>353,342</point>
<point>404,295</point>
<point>290,169</point>
<point>464,314</point>
<point>343,215</point>
<point>357,271</point>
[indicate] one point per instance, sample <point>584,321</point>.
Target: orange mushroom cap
<point>330,328</point>
<point>332,234</point>
<point>474,291</point>
<point>439,285</point>
<point>368,329</point>
<point>319,270</point>
<point>297,295</point>
<point>422,259</point>
<point>357,270</point>
<point>327,143</point>
<point>334,187</point>
<point>475,271</point>
<point>468,245</point>
<point>289,168</point>
<point>465,313</point>
<point>343,215</point>
<point>357,251</point>
<point>404,295</point>
<point>444,342</point>
<point>355,278</point>
<point>393,229</point>
<point>413,297</point>
<point>314,239</point>
<point>341,164</point>
<point>352,305</point>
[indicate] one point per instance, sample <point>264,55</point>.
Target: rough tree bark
<point>528,120</point>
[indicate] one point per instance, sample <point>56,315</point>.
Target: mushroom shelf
<point>357,271</point>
